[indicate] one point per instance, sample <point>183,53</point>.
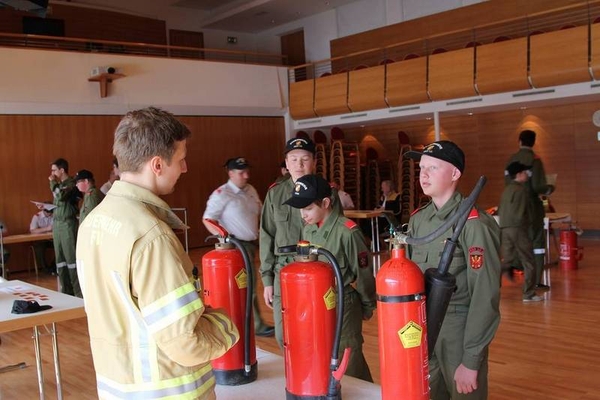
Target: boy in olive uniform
<point>515,219</point>
<point>342,237</point>
<point>459,365</point>
<point>536,186</point>
<point>281,225</point>
<point>92,196</point>
<point>64,229</point>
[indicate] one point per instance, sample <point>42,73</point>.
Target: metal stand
<point>2,251</point>
<point>38,361</point>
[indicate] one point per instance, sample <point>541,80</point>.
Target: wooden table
<point>20,238</point>
<point>373,215</point>
<point>270,383</point>
<point>64,307</point>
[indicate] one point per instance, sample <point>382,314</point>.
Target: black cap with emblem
<point>300,144</point>
<point>444,150</point>
<point>307,190</point>
<point>236,163</point>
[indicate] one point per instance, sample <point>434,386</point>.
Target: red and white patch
<point>350,224</point>
<point>476,257</point>
<point>363,259</point>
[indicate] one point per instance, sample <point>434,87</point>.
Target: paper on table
<point>551,179</point>
<point>47,206</point>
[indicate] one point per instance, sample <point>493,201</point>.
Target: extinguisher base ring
<point>292,396</point>
<point>236,377</point>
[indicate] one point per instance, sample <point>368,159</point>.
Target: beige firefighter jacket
<point>150,335</point>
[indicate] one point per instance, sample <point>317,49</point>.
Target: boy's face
<point>299,163</point>
<point>313,214</point>
<point>173,170</point>
<point>83,185</point>
<point>437,177</point>
<point>57,172</point>
<point>522,177</point>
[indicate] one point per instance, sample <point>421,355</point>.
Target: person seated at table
<point>41,222</point>
<point>390,202</point>
<point>345,199</point>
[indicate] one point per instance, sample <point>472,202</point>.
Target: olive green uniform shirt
<point>476,266</point>
<point>343,238</point>
<point>65,199</point>
<point>280,225</point>
<point>515,208</point>
<point>90,201</point>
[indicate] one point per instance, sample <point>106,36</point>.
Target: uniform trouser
<point>65,235</point>
<point>516,243</point>
<point>447,356</point>
<point>259,325</point>
<point>536,233</point>
<point>352,336</point>
<point>282,261</point>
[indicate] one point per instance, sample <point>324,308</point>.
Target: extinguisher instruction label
<point>410,335</point>
<point>242,279</point>
<point>329,299</point>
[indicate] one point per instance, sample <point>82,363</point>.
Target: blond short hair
<point>146,133</point>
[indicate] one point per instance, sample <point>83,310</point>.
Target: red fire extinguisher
<point>227,281</point>
<point>569,254</point>
<point>311,327</point>
<point>402,321</point>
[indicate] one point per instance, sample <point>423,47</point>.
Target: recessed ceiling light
<point>362,126</point>
<point>428,118</point>
<point>470,113</point>
<point>523,108</point>
<point>272,21</point>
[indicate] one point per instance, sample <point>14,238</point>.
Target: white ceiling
<point>250,16</point>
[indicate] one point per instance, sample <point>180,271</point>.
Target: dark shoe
<point>267,331</point>
<point>509,273</point>
<point>541,286</point>
<point>533,299</point>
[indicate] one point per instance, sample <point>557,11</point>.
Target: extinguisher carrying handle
<point>334,365</point>
<point>336,376</point>
<point>222,232</point>
<point>249,292</point>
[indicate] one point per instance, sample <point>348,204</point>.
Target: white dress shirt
<point>237,210</point>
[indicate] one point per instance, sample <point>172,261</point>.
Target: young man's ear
<point>455,174</point>
<point>157,165</point>
<point>326,202</point>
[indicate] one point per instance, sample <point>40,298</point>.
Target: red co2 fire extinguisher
<point>411,307</point>
<point>227,280</point>
<point>311,327</point>
<point>570,253</point>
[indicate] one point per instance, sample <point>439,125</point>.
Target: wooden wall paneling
<point>502,66</point>
<point>331,94</point>
<point>301,99</point>
<point>566,142</point>
<point>559,57</point>
<point>29,143</point>
<point>108,25</point>
<point>595,61</point>
<point>186,39</point>
<point>407,82</point>
<point>463,18</point>
<point>366,89</point>
<point>451,74</point>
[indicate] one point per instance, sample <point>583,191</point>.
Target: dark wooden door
<point>186,39</point>
<point>292,46</point>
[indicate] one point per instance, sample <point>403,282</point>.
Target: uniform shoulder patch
<point>273,185</point>
<point>536,157</point>
<point>476,257</point>
<point>474,214</point>
<point>350,224</point>
<point>363,259</point>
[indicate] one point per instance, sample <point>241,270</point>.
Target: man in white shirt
<point>41,222</point>
<point>236,206</point>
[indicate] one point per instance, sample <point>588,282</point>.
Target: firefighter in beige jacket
<point>150,334</point>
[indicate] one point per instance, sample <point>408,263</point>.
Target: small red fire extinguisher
<point>569,253</point>
<point>402,321</point>
<point>227,281</point>
<point>311,326</point>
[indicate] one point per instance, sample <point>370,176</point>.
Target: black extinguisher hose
<point>463,210</point>
<point>333,383</point>
<point>249,292</point>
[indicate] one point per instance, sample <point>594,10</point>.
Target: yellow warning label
<point>242,279</point>
<point>411,335</point>
<point>330,299</point>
